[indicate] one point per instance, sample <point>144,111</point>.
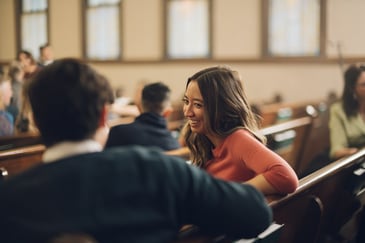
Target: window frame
<point>18,18</point>
<point>84,41</point>
<point>265,35</point>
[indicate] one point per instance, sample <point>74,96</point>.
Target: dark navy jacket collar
<point>153,119</point>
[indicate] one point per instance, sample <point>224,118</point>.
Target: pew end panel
<point>341,199</point>
<point>301,218</point>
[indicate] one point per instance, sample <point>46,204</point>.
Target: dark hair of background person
<point>350,103</point>
<point>44,46</point>
<point>155,97</point>
<point>28,55</point>
<point>67,119</point>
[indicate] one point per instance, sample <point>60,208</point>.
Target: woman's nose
<point>187,111</point>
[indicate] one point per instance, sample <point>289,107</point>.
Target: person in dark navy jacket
<point>149,128</point>
<point>121,194</point>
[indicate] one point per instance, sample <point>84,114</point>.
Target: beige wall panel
<point>295,82</point>
<point>65,24</point>
<point>142,25</point>
<point>345,25</point>
<point>236,28</point>
<point>7,27</point>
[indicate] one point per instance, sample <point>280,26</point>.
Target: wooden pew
<point>19,140</point>
<point>301,217</point>
<point>323,208</point>
<point>309,150</point>
<point>340,196</point>
<point>287,138</point>
<point>270,114</point>
<point>14,161</point>
<point>315,153</point>
<point>274,113</point>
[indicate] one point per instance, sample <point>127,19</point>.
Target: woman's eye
<point>185,101</point>
<point>197,105</point>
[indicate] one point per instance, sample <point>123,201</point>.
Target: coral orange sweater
<point>240,157</point>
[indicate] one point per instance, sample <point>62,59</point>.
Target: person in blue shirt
<point>6,119</point>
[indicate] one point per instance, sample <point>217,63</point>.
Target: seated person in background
<point>46,54</point>
<point>149,128</point>
<point>347,116</point>
<point>16,76</point>
<point>130,194</point>
<point>29,64</point>
<point>222,134</point>
<point>24,121</point>
<point>6,119</point>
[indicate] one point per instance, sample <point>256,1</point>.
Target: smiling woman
<point>221,133</point>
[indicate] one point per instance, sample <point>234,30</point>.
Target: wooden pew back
<point>316,148</point>
<point>326,202</point>
<point>19,140</point>
<point>274,113</point>
<point>340,196</point>
<point>14,161</point>
<point>287,138</point>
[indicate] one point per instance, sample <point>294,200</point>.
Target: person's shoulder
<point>337,108</point>
<point>124,127</point>
<point>240,134</point>
<point>138,152</point>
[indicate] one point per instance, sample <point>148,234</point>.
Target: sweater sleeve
<point>262,160</point>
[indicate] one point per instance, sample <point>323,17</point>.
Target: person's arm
<point>273,174</point>
<point>260,183</point>
<point>217,206</point>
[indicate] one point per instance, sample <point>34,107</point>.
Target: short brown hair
<point>67,98</point>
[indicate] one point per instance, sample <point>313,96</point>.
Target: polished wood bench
<point>14,161</point>
<point>288,138</point>
<point>19,140</point>
<point>339,191</point>
<point>326,203</point>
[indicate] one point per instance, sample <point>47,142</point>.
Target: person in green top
<point>347,116</point>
